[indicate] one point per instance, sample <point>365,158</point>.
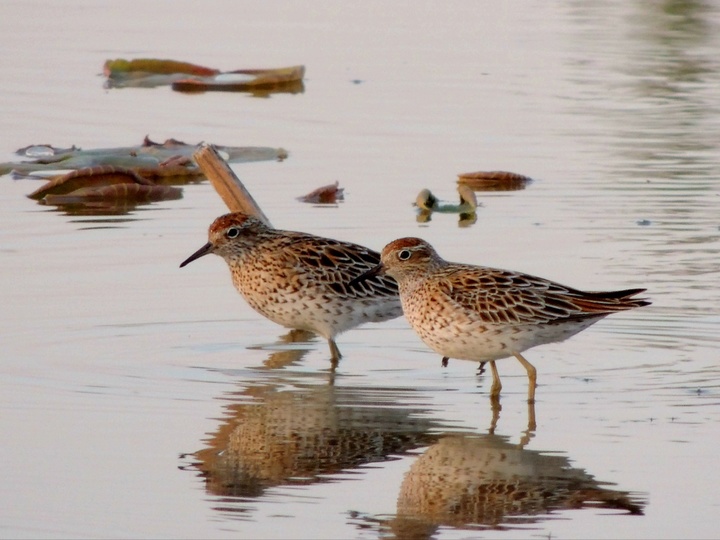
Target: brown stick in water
<point>226,183</point>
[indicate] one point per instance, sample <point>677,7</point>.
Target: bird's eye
<point>404,255</point>
<point>233,232</point>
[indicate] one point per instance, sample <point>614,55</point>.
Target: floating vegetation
<point>329,194</point>
<point>428,203</point>
<point>494,181</point>
<point>111,186</point>
<point>187,77</point>
<point>171,161</point>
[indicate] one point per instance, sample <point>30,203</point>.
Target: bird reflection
<point>283,433</point>
<point>486,481</point>
<point>288,357</point>
<point>289,428</point>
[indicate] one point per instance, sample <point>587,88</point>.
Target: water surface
<point>141,400</point>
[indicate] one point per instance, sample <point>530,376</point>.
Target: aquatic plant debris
<point>187,77</point>
<point>494,180</point>
<point>427,203</point>
<point>329,194</point>
<point>103,183</point>
<point>171,161</point>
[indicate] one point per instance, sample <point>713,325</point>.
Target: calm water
<point>141,400</point>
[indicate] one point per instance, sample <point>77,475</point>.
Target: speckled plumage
<point>299,280</point>
<point>485,314</point>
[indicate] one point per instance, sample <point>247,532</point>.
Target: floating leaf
<point>171,160</point>
<point>246,80</point>
<point>91,177</point>
<point>494,180</point>
<point>149,72</point>
<point>187,77</point>
<point>329,194</point>
<point>135,193</point>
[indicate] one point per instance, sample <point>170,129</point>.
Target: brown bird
<point>299,280</point>
<point>485,314</point>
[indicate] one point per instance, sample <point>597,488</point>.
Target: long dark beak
<point>378,270</point>
<point>207,248</point>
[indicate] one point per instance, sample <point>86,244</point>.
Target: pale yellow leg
<point>532,376</point>
<point>496,385</point>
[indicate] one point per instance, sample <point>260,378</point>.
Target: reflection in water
<point>646,93</point>
<point>671,71</point>
<point>282,432</point>
<point>466,208</point>
<point>287,431</point>
<point>486,481</point>
<point>100,208</point>
<point>465,219</point>
<point>289,357</point>
<point>300,435</point>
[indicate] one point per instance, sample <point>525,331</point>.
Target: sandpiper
<point>485,314</point>
<point>299,280</point>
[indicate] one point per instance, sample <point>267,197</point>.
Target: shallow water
<point>143,400</point>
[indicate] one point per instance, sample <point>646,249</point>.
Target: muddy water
<point>143,400</point>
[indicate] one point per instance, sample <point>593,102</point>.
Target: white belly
<point>486,341</point>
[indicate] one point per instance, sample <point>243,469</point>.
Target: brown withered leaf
<point>135,193</point>
<point>329,194</point>
<point>121,68</point>
<point>494,180</point>
<point>187,77</point>
<point>260,81</point>
<point>102,183</point>
<point>89,177</point>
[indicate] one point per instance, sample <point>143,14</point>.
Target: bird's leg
<point>496,408</point>
<point>532,376</point>
<point>334,352</point>
<point>529,433</point>
<point>532,423</point>
<point>496,384</point>
<point>444,361</point>
<point>481,368</point>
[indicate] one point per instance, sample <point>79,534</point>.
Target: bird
<point>485,314</point>
<point>301,281</point>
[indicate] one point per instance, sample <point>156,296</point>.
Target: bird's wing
<point>336,263</point>
<point>501,296</point>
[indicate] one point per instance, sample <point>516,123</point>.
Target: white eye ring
<point>404,255</point>
<point>233,232</point>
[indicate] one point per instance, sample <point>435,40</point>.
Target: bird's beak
<point>207,248</point>
<point>379,270</point>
